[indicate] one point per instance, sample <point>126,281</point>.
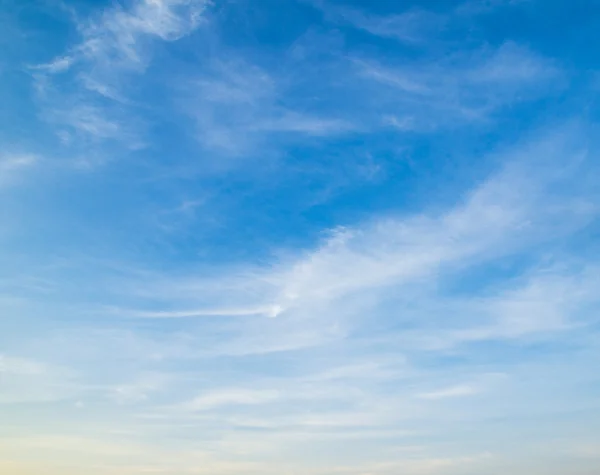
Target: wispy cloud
<point>140,389</point>
<point>115,41</point>
<point>9,365</point>
<point>12,165</point>
<point>116,38</point>
<point>238,108</point>
<point>457,88</point>
<point>450,392</point>
<point>206,312</point>
<point>85,91</point>
<point>415,25</point>
<point>412,26</point>
<point>496,218</point>
<point>230,397</point>
<point>319,295</point>
<point>433,84</point>
<point>27,380</point>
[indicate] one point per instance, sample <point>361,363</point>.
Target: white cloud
<point>93,122</point>
<point>411,26</point>
<point>511,211</point>
<point>230,397</point>
<point>450,392</point>
<point>392,266</point>
<point>58,65</point>
<point>85,91</point>
<point>13,165</point>
<point>311,126</point>
<point>414,25</point>
<point>139,389</point>
<point>115,39</point>
<point>205,312</point>
<point>238,107</point>
<point>468,87</point>
<point>26,380</point>
<point>10,365</point>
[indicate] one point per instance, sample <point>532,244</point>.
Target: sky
<point>299,237</point>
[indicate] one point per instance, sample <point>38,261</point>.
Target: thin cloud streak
<point>238,108</point>
<point>457,87</point>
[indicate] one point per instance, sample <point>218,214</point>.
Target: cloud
<point>239,108</point>
<point>116,39</point>
<point>229,397</point>
<point>206,312</point>
<point>510,211</point>
<point>91,121</point>
<point>450,392</point>
<point>10,365</point>
<point>13,165</point>
<point>543,303</point>
<point>438,93</point>
<point>98,91</point>
<point>396,267</point>
<point>26,380</point>
<point>140,389</point>
<point>85,92</point>
<point>428,83</point>
<point>412,26</point>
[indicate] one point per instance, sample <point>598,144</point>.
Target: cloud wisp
<point>86,91</point>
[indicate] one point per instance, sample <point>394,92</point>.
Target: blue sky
<point>299,237</point>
